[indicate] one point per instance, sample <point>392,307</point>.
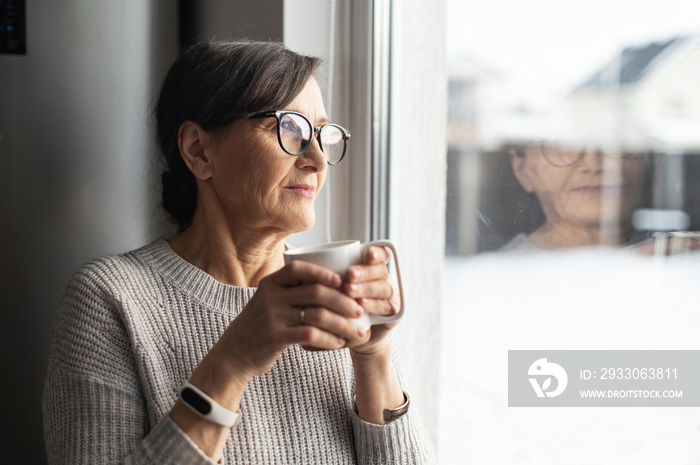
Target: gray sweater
<point>131,330</point>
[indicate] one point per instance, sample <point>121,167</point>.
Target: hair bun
<point>179,196</point>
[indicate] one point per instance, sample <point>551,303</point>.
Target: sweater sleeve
<point>94,409</point>
<point>404,441</point>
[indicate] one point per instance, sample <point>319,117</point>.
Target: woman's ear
<point>192,141</point>
<point>521,170</point>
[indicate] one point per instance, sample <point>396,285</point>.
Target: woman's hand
<point>369,284</point>
<point>672,245</point>
<point>256,338</point>
<point>272,321</point>
<point>377,386</point>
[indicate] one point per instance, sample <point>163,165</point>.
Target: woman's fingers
<point>380,289</point>
<point>382,307</point>
<point>312,336</point>
<point>377,255</point>
<point>361,273</point>
<point>318,295</point>
<point>374,268</point>
<point>372,280</point>
<point>302,272</point>
<point>328,304</point>
<point>329,321</point>
<point>369,284</point>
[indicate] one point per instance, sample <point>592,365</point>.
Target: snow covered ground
<point>583,299</point>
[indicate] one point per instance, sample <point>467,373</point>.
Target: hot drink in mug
<point>341,255</point>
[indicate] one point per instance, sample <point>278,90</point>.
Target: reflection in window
<point>636,138</point>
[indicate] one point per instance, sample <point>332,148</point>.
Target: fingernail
<point>361,331</point>
<point>341,341</point>
<point>360,311</point>
<point>354,274</point>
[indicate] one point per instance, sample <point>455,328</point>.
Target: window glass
<point>573,205</point>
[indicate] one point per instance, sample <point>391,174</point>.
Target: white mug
<point>341,255</point>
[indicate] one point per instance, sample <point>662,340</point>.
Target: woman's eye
<point>291,127</point>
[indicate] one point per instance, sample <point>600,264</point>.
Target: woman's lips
<point>304,190</point>
<point>600,189</point>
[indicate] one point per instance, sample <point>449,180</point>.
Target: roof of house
<point>634,63</point>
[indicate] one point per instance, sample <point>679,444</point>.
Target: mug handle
<point>379,319</point>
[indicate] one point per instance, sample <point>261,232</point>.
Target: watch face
<point>196,401</point>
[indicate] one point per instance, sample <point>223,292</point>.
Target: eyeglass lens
<point>296,135</point>
<point>332,143</point>
<point>563,155</point>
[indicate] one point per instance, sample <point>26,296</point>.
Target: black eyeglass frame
<point>625,156</point>
<point>279,114</point>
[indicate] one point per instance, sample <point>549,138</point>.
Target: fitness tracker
<point>208,408</point>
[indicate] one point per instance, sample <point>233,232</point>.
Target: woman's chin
<point>301,223</point>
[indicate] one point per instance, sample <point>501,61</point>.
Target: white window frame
<point>389,63</point>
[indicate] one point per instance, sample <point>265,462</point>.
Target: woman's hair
<point>213,84</point>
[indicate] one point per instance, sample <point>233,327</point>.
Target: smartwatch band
<point>208,408</point>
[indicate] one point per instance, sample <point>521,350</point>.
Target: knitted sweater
<point>131,330</point>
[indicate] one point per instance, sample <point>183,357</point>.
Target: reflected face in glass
<point>257,182</point>
<point>580,187</point>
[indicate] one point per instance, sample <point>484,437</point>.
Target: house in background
<point>648,98</point>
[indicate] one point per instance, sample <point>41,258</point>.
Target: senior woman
<point>247,142</point>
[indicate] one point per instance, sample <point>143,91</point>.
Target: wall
<point>233,19</point>
<point>77,174</point>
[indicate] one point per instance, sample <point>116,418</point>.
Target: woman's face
<point>596,191</point>
<point>258,184</point>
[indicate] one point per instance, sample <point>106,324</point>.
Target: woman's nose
<point>591,159</point>
<point>313,158</point>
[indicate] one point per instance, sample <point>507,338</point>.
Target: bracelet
<point>391,414</point>
<point>206,407</point>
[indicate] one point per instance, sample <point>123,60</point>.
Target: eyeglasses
<point>564,155</point>
<point>295,134</point>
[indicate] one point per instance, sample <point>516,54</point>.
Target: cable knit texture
<point>131,330</point>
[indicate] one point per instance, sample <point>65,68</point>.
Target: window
<point>572,196</point>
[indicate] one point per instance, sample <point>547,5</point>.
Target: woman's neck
<point>236,257</point>
<point>565,235</point>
